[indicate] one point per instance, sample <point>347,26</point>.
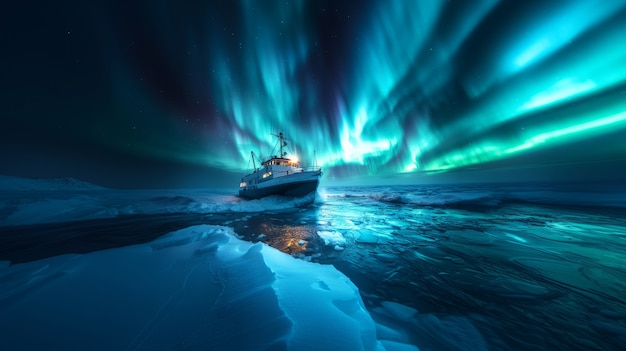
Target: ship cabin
<point>279,166</point>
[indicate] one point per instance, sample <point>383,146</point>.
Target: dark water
<point>480,269</point>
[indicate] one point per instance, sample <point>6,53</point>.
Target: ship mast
<point>253,163</point>
<point>283,142</point>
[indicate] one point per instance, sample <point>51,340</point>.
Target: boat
<point>279,175</point>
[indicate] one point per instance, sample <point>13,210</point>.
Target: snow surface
<point>199,287</point>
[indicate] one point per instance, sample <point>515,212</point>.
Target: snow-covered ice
<point>199,287</point>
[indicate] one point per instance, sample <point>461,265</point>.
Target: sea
<point>434,267</point>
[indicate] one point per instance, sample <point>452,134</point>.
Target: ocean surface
<point>431,267</point>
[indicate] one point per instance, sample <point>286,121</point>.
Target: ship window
<point>242,184</point>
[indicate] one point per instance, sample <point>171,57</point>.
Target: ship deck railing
<point>276,174</point>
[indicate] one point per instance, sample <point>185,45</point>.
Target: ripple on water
<point>580,275</point>
<point>473,237</point>
<point>515,289</point>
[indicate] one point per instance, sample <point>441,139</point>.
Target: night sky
<point>177,93</point>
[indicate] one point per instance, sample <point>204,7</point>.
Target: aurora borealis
<point>373,88</point>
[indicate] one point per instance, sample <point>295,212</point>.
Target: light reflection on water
<point>291,233</point>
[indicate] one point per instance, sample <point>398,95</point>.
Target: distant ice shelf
<point>45,184</point>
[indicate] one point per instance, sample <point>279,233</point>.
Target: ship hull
<point>299,186</point>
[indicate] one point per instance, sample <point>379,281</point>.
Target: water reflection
<point>291,233</point>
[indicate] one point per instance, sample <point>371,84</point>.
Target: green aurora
<point>381,89</point>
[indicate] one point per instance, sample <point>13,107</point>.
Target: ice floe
<point>331,237</point>
<point>198,287</point>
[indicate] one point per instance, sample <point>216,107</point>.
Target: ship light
<point>295,159</point>
<point>242,184</point>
